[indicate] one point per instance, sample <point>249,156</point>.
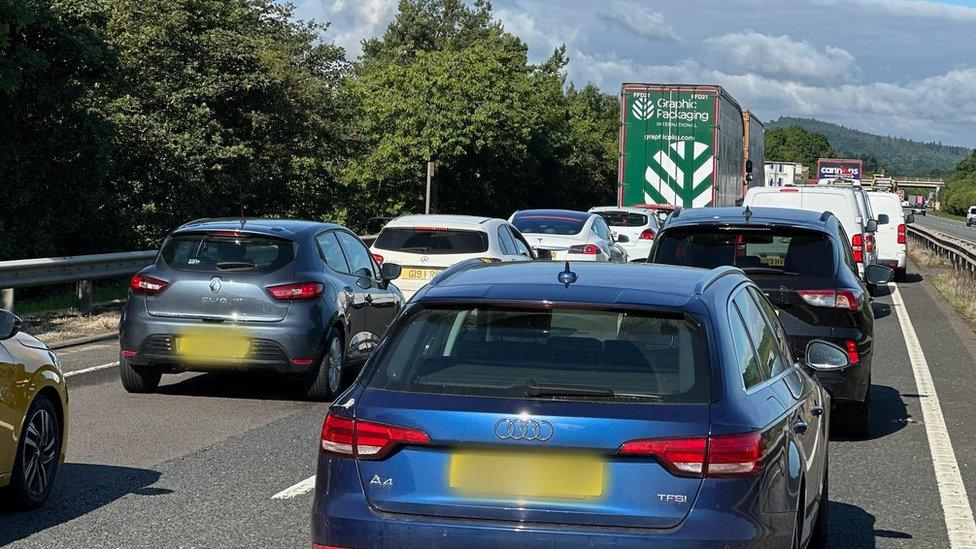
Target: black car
<point>300,298</point>
<point>803,263</point>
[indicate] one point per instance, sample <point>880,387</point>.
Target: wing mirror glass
<point>390,271</point>
<point>10,324</point>
<point>871,226</point>
<point>823,356</point>
<point>878,274</point>
<point>883,219</point>
<point>621,238</point>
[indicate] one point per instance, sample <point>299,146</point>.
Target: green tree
<point>795,144</point>
<point>223,105</point>
<point>54,141</point>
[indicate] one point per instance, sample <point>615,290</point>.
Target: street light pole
<point>430,175</point>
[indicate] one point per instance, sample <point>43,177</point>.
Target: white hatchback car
<point>569,235</point>
<point>633,228</point>
<point>427,244</point>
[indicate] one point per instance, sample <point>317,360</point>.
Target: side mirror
<point>826,357</point>
<point>9,324</point>
<point>390,271</point>
<point>543,255</point>
<point>909,219</point>
<point>878,274</point>
<point>750,178</point>
<point>883,219</point>
<point>871,226</point>
<point>621,238</point>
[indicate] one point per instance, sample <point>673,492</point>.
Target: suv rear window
<point>624,219</point>
<point>219,252</point>
<point>786,253</point>
<point>549,223</point>
<point>546,353</point>
<point>432,241</point>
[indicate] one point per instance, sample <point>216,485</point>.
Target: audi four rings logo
<point>523,429</point>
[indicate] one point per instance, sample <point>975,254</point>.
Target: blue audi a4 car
<point>551,405</point>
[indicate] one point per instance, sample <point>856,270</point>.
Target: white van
<point>891,241</point>
<point>849,205</point>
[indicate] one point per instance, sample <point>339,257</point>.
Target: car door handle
<point>817,410</point>
<point>800,427</point>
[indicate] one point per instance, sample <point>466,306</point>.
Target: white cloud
<point>351,20</point>
<point>541,39</point>
<point>782,56</point>
<point>912,9</point>
<point>641,20</point>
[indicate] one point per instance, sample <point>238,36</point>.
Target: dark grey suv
<point>301,298</point>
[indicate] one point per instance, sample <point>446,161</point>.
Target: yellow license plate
<point>527,475</point>
<point>773,260</point>
<point>213,346</point>
<point>411,273</point>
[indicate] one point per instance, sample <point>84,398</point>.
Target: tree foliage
<point>796,144</point>
<point>124,118</point>
<point>959,192</point>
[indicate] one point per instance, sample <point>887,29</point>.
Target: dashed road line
<point>955,502</point>
<point>299,489</point>
<point>91,369</point>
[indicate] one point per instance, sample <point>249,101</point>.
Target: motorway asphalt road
<point>198,463</point>
<point>950,227</point>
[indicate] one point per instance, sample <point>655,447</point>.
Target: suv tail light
<point>901,233</point>
<point>840,299</point>
<point>588,249</point>
<point>147,285</point>
<point>379,259</point>
<point>301,291</point>
<point>360,439</point>
<point>853,355</point>
<point>739,455</point>
<point>857,248</point>
<point>647,234</point>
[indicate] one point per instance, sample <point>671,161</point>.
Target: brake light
<point>852,353</point>
<point>901,233</point>
<point>364,439</point>
<point>430,228</point>
<point>869,241</point>
<point>302,291</point>
<point>715,456</point>
<point>856,248</point>
<point>226,233</point>
<point>379,259</point>
<point>147,285</point>
<point>840,299</point>
<point>647,234</point>
<point>588,249</point>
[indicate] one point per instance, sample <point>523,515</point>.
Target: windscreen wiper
<point>767,270</point>
<point>230,265</point>
<point>534,389</point>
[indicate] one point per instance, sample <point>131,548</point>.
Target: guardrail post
<point>83,296</point>
<point>7,299</point>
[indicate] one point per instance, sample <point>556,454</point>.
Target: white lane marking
<point>83,348</point>
<point>302,487</point>
<point>955,502</point>
<point>92,369</point>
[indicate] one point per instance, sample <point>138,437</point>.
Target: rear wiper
<point>533,389</point>
<point>227,265</point>
<point>767,270</point>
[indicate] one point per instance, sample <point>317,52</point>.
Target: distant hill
<point>896,155</point>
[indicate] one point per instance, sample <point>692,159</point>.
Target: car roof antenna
<point>567,277</point>
<point>747,213</point>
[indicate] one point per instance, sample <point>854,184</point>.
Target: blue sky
<point>896,67</point>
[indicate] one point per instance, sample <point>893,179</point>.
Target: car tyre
<point>139,379</point>
<point>325,382</point>
<point>38,456</point>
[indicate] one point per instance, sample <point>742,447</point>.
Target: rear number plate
<point>411,273</point>
<point>566,476</point>
<point>212,346</point>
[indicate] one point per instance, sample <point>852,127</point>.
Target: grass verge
<point>924,257</point>
<point>959,289</point>
<point>62,297</point>
<point>947,215</point>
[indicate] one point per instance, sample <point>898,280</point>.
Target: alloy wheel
<point>334,364</point>
<point>40,452</point>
